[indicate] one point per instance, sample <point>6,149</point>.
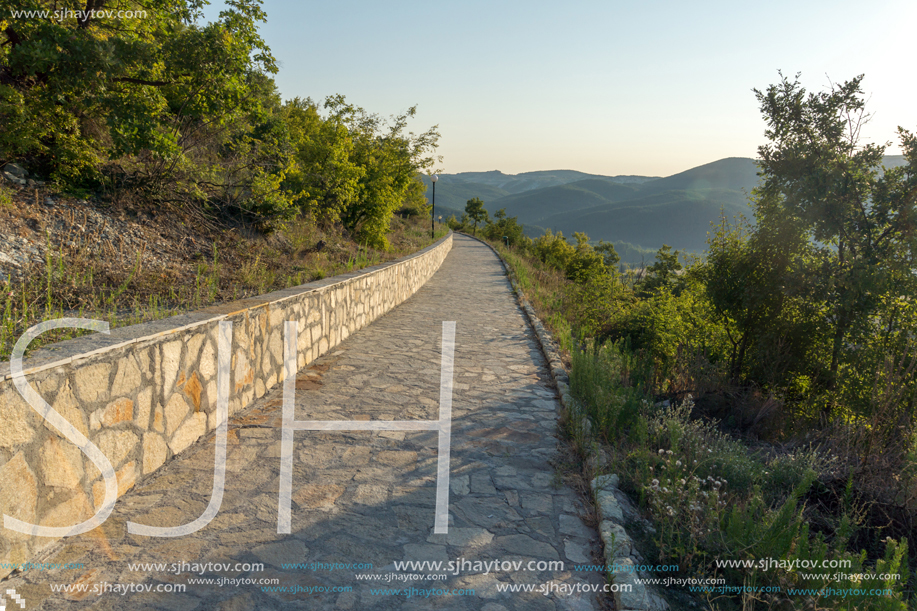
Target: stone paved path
<point>366,496</point>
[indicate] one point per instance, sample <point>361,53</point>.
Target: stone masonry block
<point>154,452</point>
<point>142,408</point>
<point>66,405</point>
<point>127,380</point>
<point>176,411</point>
<point>19,492</point>
<point>207,365</point>
<point>171,361</point>
<point>126,476</point>
<point>189,432</point>
<point>92,382</point>
<point>116,445</point>
<point>15,430</point>
<point>61,463</point>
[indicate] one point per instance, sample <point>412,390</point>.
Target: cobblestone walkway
<point>366,496</point>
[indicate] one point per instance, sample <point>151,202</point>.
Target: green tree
<point>553,249</point>
<point>859,217</point>
<point>506,229</point>
<point>86,90</point>
<point>586,264</point>
<point>748,279</point>
<point>609,254</point>
<point>354,168</point>
<point>188,113</point>
<point>474,208</point>
<point>454,224</point>
<point>666,324</point>
<point>325,181</point>
<point>244,174</point>
<point>662,274</point>
<point>392,160</point>
<point>591,302</point>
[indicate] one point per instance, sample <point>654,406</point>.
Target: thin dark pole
<point>433,212</point>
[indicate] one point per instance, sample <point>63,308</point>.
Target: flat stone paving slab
<point>365,497</point>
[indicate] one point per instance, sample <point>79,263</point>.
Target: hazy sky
<point>607,87</point>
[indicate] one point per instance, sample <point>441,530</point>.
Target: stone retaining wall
<point>144,393</point>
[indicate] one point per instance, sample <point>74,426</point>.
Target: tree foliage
<point>476,212</point>
<point>662,274</point>
<point>746,277</point>
<point>89,89</point>
<point>585,264</point>
<point>814,301</point>
<point>153,102</point>
<point>505,229</point>
<point>325,180</point>
<point>609,255</point>
<point>857,219</point>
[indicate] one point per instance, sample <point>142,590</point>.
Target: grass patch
<point>544,286</point>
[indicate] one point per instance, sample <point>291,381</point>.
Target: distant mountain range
<point>645,211</point>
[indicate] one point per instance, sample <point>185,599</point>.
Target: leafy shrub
<point>666,325</point>
<point>554,250</point>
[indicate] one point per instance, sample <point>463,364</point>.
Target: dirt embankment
<point>67,256</point>
<point>36,221</point>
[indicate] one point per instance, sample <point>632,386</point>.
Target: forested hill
<point>676,210</point>
<point>454,190</point>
